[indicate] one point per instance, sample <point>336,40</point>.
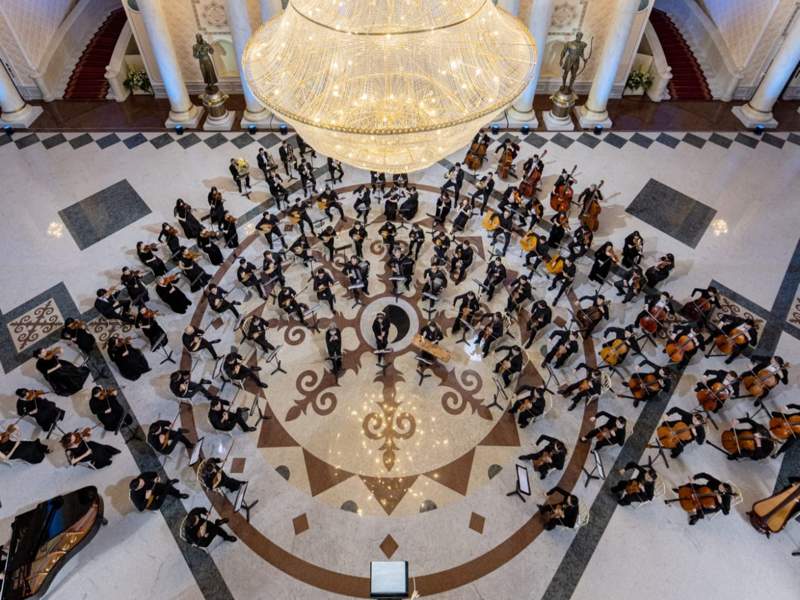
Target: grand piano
<point>45,538</point>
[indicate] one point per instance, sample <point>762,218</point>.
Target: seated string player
<point>591,386</point>
<point>541,316</point>
<point>163,438</point>
<point>565,346</point>
<point>510,364</point>
<point>246,275</point>
<point>234,368</point>
<point>254,329</point>
<point>708,496</point>
<point>148,492</point>
<point>495,275</point>
<point>468,307</point>
<point>287,300</point>
<point>563,513</point>
<point>639,488</point>
<point>222,418</point>
<point>323,286</point>
<point>551,457</point>
<point>520,293</point>
<point>684,342</point>
<point>490,331</point>
<point>676,434</point>
<point>529,405</point>
<point>200,531</point>
<point>610,433</point>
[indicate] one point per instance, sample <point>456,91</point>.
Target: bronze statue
<point>202,51</point>
<point>571,56</point>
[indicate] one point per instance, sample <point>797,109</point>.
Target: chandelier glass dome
<point>389,85</point>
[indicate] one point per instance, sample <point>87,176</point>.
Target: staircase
<point>88,81</point>
<point>688,81</point>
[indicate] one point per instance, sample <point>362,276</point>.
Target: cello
<point>561,197</point>
<point>590,217</point>
<point>712,398</point>
<point>696,498</point>
<point>761,383</point>
<point>614,352</point>
<point>677,349</point>
<point>748,443</point>
<point>654,320</point>
<point>784,426</point>
<point>528,186</point>
<point>771,514</point>
<point>670,436</point>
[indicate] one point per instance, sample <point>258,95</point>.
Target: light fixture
<point>389,85</point>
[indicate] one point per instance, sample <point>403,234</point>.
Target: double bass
<point>476,154</point>
<point>590,217</point>
<point>528,186</point>
<point>561,197</point>
<point>771,514</point>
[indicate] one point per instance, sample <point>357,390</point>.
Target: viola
<point>712,398</point>
<point>785,426</point>
<point>615,352</point>
<point>771,514</point>
<point>747,443</point>
<point>671,435</point>
<point>168,280</point>
<point>677,349</point>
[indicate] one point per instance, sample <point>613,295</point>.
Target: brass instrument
<point>491,221</point>
<point>529,241</point>
<point>242,167</point>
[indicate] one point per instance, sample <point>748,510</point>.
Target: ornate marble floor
<point>374,465</point>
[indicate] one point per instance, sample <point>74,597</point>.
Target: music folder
<point>388,579</point>
<point>523,483</point>
<point>194,458</point>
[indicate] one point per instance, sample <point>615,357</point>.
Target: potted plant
<point>138,81</point>
<point>638,82</point>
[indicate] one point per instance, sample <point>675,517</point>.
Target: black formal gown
<point>80,337</point>
<point>30,452</point>
<point>212,251</point>
<point>152,262</point>
<point>101,456</point>
<point>64,378</point>
<point>109,412</point>
<point>174,298</point>
<point>47,413</point>
<point>189,223</point>
<point>130,361</point>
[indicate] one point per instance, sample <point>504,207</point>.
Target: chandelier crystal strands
<point>389,85</point>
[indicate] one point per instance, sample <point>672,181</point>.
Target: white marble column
<point>619,30</point>
<point>239,22</point>
<point>539,26</point>
<point>270,9</point>
<point>15,111</point>
<point>759,110</point>
<point>182,112</point>
<point>510,6</point>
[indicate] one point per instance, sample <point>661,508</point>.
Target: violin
<point>149,248</point>
<point>615,352</point>
<point>229,218</point>
<point>644,386</point>
<point>168,280</point>
<point>590,216</point>
<point>208,234</point>
<point>561,198</point>
<point>148,314</point>
<point>678,348</point>
<point>51,354</point>
<point>76,324</point>
<point>672,435</point>
<point>758,384</point>
<point>712,398</point>
<point>771,514</point>
<point>170,230</point>
<point>34,394</point>
<point>747,443</point>
<point>191,255</point>
<point>785,426</point>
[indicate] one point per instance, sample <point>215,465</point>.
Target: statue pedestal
<point>219,117</point>
<point>558,118</point>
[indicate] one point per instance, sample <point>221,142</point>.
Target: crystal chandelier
<point>389,85</point>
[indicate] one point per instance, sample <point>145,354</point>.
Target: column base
<point>189,119</point>
<point>223,123</point>
<point>554,123</point>
<point>260,119</point>
<point>23,118</point>
<point>517,117</point>
<point>589,119</point>
<point>751,118</point>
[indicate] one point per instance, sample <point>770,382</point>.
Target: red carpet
<point>688,81</point>
<point>88,81</point>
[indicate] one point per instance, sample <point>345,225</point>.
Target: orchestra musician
<point>64,378</point>
<point>700,309</point>
<point>201,531</point>
<point>298,214</point>
<point>454,179</point>
<point>171,295</point>
<point>234,368</point>
<point>400,180</point>
<point>265,162</point>
<point>616,350</point>
<point>145,252</point>
<point>33,403</point>
<point>380,328</point>
<point>716,496</point>
<point>254,329</point>
<point>111,307</point>
<point>483,188</point>
<point>137,291</point>
<point>462,215</point>
<point>169,235</point>
<point>390,203</point>
<point>357,275</point>
<point>218,303</point>
<point>301,249</point>
<point>639,488</point>
<point>323,286</point>
<point>589,317</point>
<point>194,341</point>
<point>401,266</point>
<point>463,256</point>
<point>363,202</point>
<point>646,386</point>
<point>330,199</point>
<point>358,233</point>
<point>632,250</point>
<point>495,275</point>
<point>206,243</point>
<point>587,196</point>
<point>163,438</point>
<point>504,228</point>
<point>764,369</point>
<point>241,175</point>
<point>277,190</point>
<point>688,428</point>
<point>148,492</point>
<point>587,389</point>
<point>720,385</point>
<point>564,278</point>
<point>490,331</point>
<point>508,150</point>
<point>519,293</point>
<point>783,426</point>
<point>433,334</point>
<point>581,241</point>
<point>443,205</point>
<point>181,384</point>
<point>611,432</point>
<point>660,271</point>
<point>435,283</point>
<point>755,442</point>
<point>388,233</point>
<point>287,300</point>
<point>539,253</point>
<point>272,268</point>
<point>534,163</point>
<point>684,341</point>
<point>287,157</point>
<point>188,222</point>
<point>328,238</point>
<point>630,286</point>
<point>13,448</point>
<point>222,418</point>
<point>529,405</point>
<point>195,275</point>
<point>416,238</point>
<point>246,275</point>
<point>155,334</point>
<point>468,307</point>
<point>269,225</point>
<point>565,346</point>
<point>510,364</point>
<point>106,408</point>
<point>78,450</point>
<point>307,178</point>
<point>559,225</point>
<point>657,313</point>
<point>541,316</point>
<point>333,345</point>
<point>213,477</point>
<point>604,257</point>
<point>304,148</point>
<point>229,232</point>
<point>335,170</point>
<point>409,207</point>
<point>549,458</point>
<point>75,331</point>
<point>130,361</point>
<point>564,513</point>
<point>735,332</point>
<point>441,244</point>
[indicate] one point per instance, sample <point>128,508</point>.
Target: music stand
<point>499,390</point>
<point>598,468</point>
<point>161,344</point>
<point>422,363</point>
<point>523,487</point>
<point>240,504</point>
<point>355,291</point>
<point>194,457</point>
<point>551,376</point>
<point>661,454</point>
<point>274,356</point>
